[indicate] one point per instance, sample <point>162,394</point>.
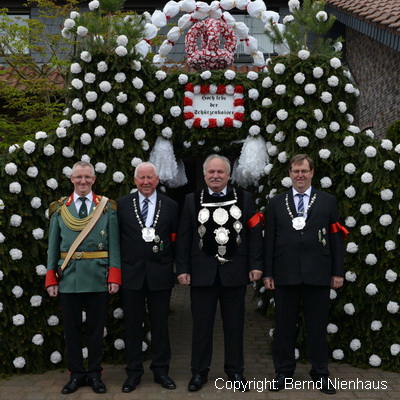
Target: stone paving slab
<point>354,383</point>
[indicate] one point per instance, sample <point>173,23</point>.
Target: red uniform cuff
<point>255,220</point>
<point>51,278</point>
<point>114,275</point>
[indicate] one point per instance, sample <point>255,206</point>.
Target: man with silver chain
<point>148,225</point>
<point>303,260</point>
<point>219,251</point>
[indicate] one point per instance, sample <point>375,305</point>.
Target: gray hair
<point>83,164</point>
<point>145,164</point>
<point>223,158</point>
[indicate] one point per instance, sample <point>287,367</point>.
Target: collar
<point>152,198</point>
<point>223,191</point>
<point>307,192</point>
<point>89,196</point>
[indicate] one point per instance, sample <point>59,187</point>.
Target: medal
<point>155,249</point>
<point>235,211</point>
<point>220,216</point>
<point>221,235</point>
<point>204,215</point>
<point>100,246</point>
<point>299,223</point>
<point>148,234</point>
<point>156,239</point>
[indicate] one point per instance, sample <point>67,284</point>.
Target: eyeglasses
<point>300,171</point>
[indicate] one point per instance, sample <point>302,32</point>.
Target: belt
<point>86,254</point>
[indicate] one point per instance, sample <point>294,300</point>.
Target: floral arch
<point>123,109</point>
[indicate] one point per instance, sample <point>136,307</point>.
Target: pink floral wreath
<point>210,56</point>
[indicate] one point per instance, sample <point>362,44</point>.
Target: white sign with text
<point>218,106</point>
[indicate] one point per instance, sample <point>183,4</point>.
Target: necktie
<point>216,194</point>
<point>300,206</point>
<point>145,208</point>
<point>83,208</point>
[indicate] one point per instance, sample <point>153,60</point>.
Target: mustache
<point>215,180</point>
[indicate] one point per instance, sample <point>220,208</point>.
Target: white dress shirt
<point>78,203</point>
<point>306,199</point>
<point>152,207</point>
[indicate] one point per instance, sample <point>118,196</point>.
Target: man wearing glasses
<point>303,261</point>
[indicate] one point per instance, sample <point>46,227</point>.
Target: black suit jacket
<point>138,260</point>
<point>311,255</point>
<point>203,267</point>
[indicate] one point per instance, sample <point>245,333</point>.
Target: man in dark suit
<point>219,250</point>
<point>303,260</point>
<point>148,222</point>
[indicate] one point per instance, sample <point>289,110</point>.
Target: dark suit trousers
<point>134,302</point>
<point>204,301</point>
<point>96,306</point>
<point>315,301</point>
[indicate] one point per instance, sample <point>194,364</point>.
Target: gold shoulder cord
<point>75,224</point>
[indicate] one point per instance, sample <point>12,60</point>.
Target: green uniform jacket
<point>84,275</point>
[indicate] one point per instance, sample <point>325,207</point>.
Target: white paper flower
<point>118,177</point>
<point>53,320</point>
<point>139,134</point>
<point>298,101</point>
<point>310,88</point>
<point>376,325</point>
<point>2,239</point>
<point>118,144</point>
<point>91,114</point>
<point>302,141</point>
<point>118,313</point>
<point>52,183</point>
<point>365,208</point>
<point>107,108</point>
<point>303,54</point>
<point>338,354</point>
<point>15,220</point>
<point>326,97</point>
<point>349,141</point>
<point>29,147</point>
<point>122,97</point>
<point>77,119</point>
<point>286,182</point>
<point>41,270</point>
<point>266,102</point>
<point>318,72</point>
<point>11,169</point>
<point>332,294</point>
<point>205,75</point>
<point>335,62</point>
<point>350,276</point>
<point>301,124</point>
<point>375,360</point>
<point>385,220</point>
<point>19,362</point>
<point>283,157</point>
<point>352,247</point>
<point>393,307</point>
<point>282,114</point>
<point>350,192</point>
<point>85,139</point>
<point>355,344</point>
<point>349,309</point>
<point>255,115</point>
<point>350,168</point>
<point>119,344</point>
<point>55,357</point>
<point>367,177</point>
<point>86,56</point>
<point>16,254</point>
<point>395,349</point>
<point>38,233</point>
<point>150,97</point>
<point>94,5</point>
<point>389,165</point>
<point>326,182</point>
<point>371,259</point>
<point>280,89</point>
<point>342,107</point>
<point>36,301</point>
<point>18,319</point>
<point>254,130</point>
<point>324,154</point>
<point>333,81</point>
<point>252,75</point>
<point>14,187</point>
<point>67,152</point>
<point>299,78</point>
<point>120,77</point>
<point>332,328</point>
<point>270,128</point>
<point>90,77</point>
<point>371,289</point>
<point>99,131</point>
<point>17,291</point>
<point>105,86</point>
<point>370,151</point>
<point>387,144</point>
<point>100,167</point>
<point>338,47</point>
<point>321,133</point>
<point>318,114</point>
<point>386,194</point>
<point>102,66</point>
<point>267,82</point>
<point>390,276</point>
<point>136,161</point>
<point>253,94</point>
<point>183,78</point>
<point>38,340</point>
<point>121,51</point>
<point>122,119</point>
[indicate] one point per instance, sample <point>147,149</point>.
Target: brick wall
<point>376,69</point>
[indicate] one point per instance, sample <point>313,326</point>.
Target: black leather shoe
<point>97,385</point>
<point>73,385</point>
<point>325,385</point>
<point>239,382</point>
<point>278,383</point>
<point>197,382</point>
<point>130,384</point>
<point>165,381</point>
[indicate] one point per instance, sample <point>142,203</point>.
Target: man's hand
<point>184,279</point>
<point>113,288</point>
<point>52,290</point>
<point>336,282</point>
<point>255,275</point>
<point>269,283</point>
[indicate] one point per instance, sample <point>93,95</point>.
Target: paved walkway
<point>258,370</point>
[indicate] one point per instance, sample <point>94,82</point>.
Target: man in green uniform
<point>84,270</point>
